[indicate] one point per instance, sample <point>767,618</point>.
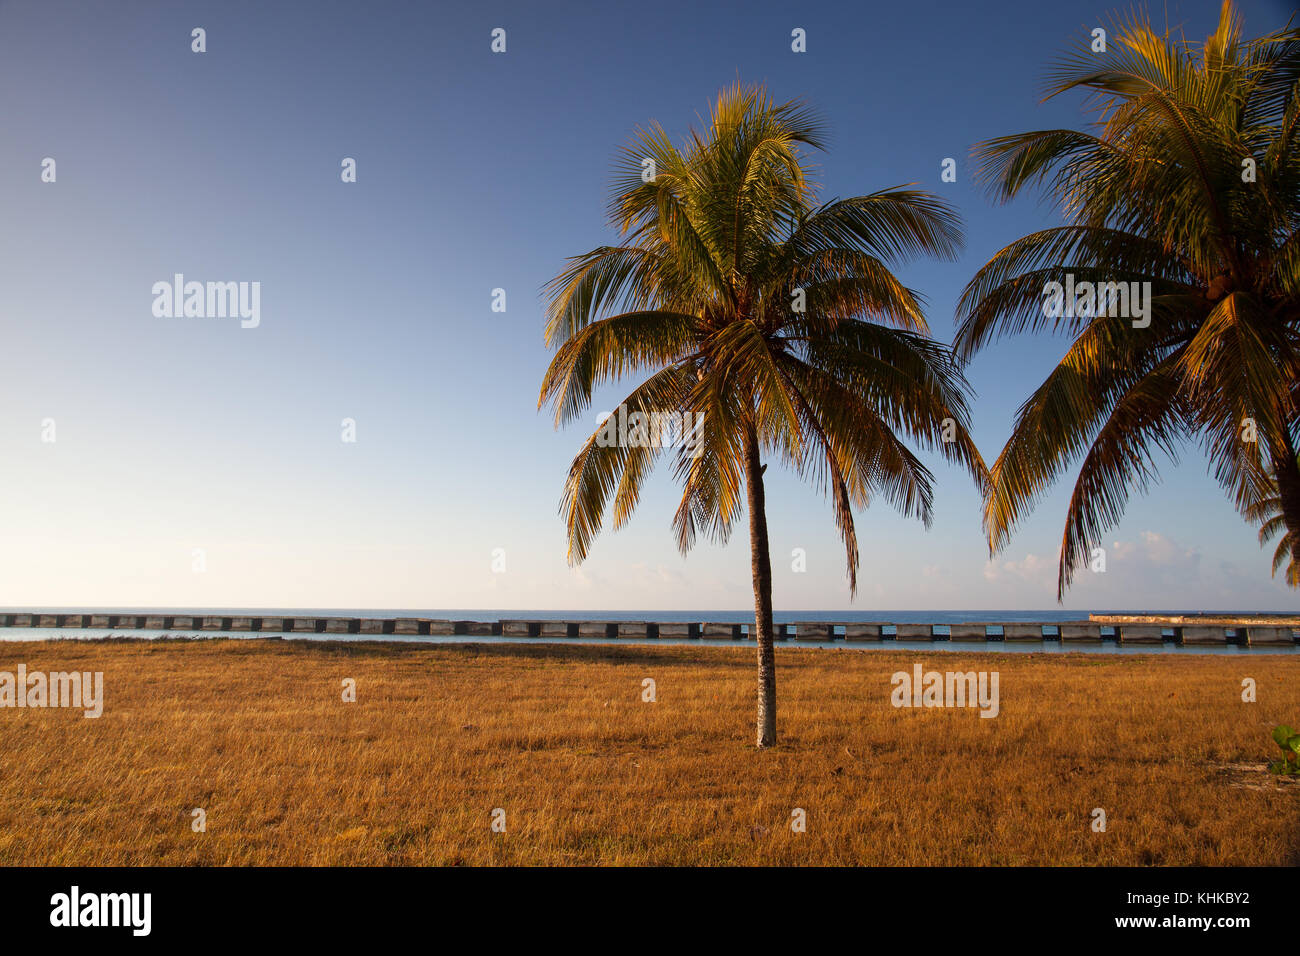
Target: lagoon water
<point>939,618</point>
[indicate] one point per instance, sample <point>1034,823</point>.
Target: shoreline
<point>1147,630</point>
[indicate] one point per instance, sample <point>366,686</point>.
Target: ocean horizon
<point>941,617</point>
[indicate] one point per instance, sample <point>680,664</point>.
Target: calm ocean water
<point>941,618</point>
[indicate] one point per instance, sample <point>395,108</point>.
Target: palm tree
<point>747,305</point>
<point>1188,179</point>
<point>1267,513</point>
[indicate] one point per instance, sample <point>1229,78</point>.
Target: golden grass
<point>255,732</point>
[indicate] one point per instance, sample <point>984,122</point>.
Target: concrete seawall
<point>1133,630</point>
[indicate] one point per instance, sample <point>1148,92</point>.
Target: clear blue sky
<point>475,171</point>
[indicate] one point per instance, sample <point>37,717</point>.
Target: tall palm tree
<point>1189,179</point>
<point>747,303</point>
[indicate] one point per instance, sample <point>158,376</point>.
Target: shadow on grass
<point>739,656</point>
<point>594,653</point>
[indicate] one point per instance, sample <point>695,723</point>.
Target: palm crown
<point>1272,524</point>
<point>1189,180</point>
<point>716,246</point>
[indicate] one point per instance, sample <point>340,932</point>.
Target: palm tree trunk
<point>761,565</point>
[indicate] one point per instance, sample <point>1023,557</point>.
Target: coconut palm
<point>747,306</point>
<point>1189,179</point>
<point>1267,513</point>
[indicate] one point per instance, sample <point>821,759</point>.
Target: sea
<point>941,619</point>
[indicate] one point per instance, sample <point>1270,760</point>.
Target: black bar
<point>958,910</point>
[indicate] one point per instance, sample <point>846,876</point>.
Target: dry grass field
<point>255,732</point>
